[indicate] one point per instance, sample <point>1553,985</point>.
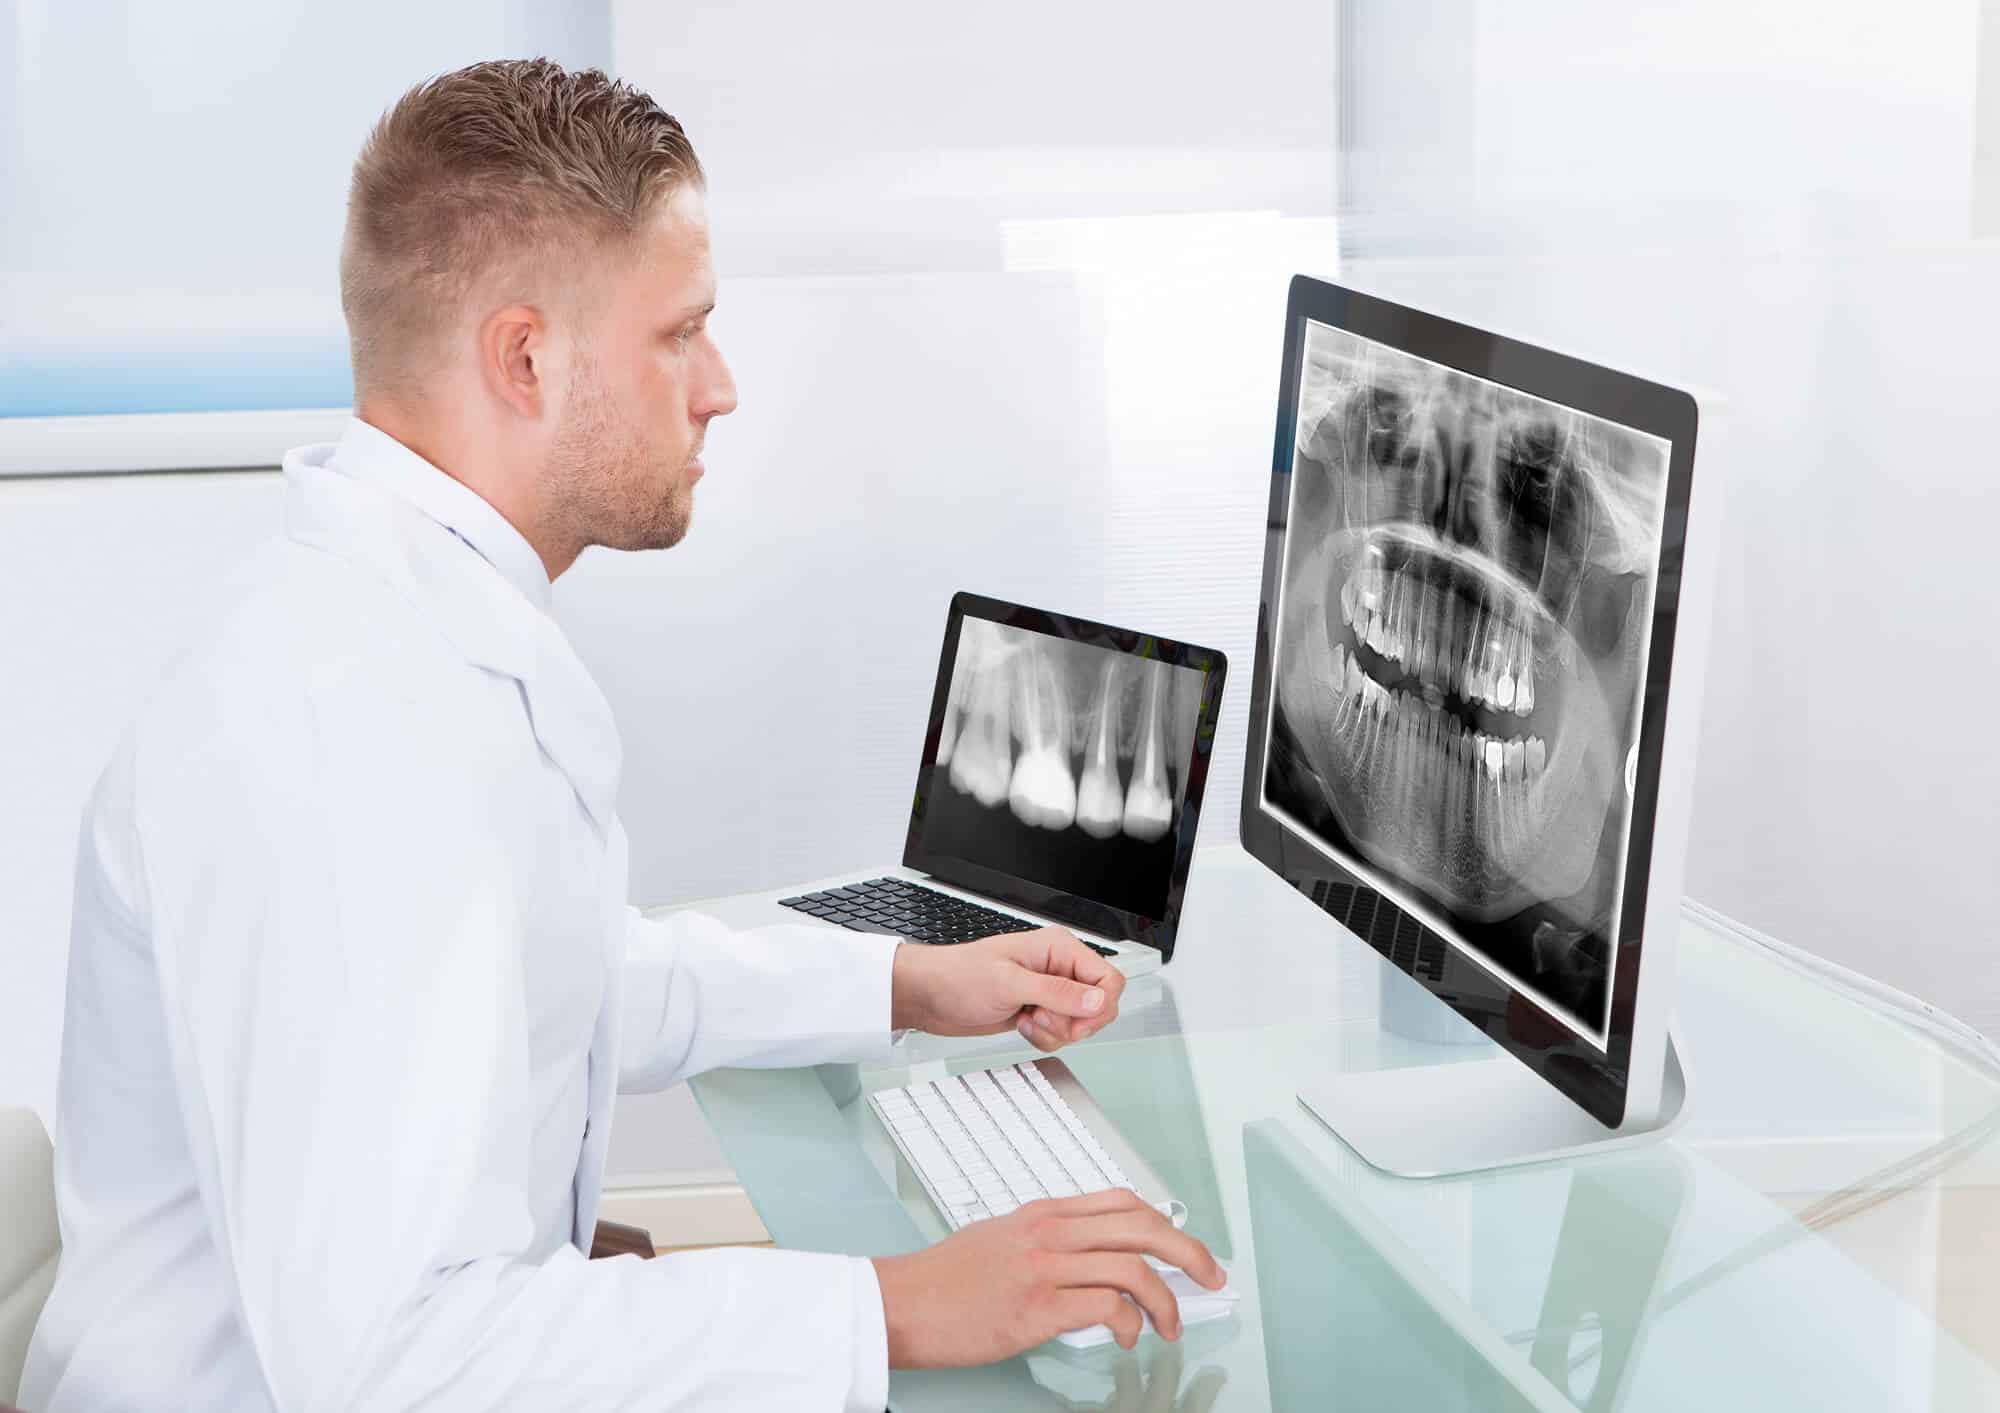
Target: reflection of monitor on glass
<point>1478,591</point>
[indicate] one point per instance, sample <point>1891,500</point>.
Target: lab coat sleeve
<point>341,968</point>
<point>699,995</point>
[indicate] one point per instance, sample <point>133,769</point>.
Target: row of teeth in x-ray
<point>1453,646</point>
<point>1482,784</point>
<point>1015,698</point>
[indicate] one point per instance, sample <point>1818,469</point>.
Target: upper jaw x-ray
<point>1466,595</point>
<point>1065,734</point>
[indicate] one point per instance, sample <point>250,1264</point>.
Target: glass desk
<point>1823,1233</point>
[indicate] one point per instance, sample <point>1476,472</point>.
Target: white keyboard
<point>985,1142</point>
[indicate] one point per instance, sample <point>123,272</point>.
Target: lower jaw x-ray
<point>1466,595</point>
<point>1064,762</point>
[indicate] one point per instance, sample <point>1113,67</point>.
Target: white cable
<point>1920,1014</point>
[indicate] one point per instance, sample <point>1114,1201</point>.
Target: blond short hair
<point>493,168</point>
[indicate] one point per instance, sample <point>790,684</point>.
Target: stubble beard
<point>605,481</point>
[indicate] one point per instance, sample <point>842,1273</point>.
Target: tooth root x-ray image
<point>1066,760</point>
<point>1467,588</point>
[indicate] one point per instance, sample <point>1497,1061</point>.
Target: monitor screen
<point>1064,763</point>
<point>1459,652</point>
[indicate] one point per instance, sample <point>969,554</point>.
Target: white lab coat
<point>352,981</point>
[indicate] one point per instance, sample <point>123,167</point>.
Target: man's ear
<point>514,358</point>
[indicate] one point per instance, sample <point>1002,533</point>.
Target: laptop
<point>1060,783</point>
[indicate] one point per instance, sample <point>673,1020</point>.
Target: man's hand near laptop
<point>1044,983</point>
<point>1006,1284</point>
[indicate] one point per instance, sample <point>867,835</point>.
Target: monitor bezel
<point>1596,1080</point>
<point>1084,914</point>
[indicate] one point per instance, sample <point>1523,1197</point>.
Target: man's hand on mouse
<point>1044,983</point>
<point>997,1287</point>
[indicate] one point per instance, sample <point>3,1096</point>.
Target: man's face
<point>646,379</point>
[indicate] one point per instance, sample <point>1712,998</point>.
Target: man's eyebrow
<point>695,311</point>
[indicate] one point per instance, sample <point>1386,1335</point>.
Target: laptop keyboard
<point>897,908</point>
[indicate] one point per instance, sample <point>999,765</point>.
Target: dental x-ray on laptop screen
<point>1063,767</point>
<point>1477,596</point>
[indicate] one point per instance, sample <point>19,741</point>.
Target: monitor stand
<point>1467,1115</point>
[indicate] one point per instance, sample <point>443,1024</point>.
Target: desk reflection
<point>1352,1319</point>
<point>1149,1379</point>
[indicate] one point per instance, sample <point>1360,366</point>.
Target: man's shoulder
<point>307,636</point>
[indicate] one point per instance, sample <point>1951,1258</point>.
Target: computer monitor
<point>1478,661</point>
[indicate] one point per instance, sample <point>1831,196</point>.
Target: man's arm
<point>342,970</point>
<point>698,995</point>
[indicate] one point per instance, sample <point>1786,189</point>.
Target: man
<point>352,978</point>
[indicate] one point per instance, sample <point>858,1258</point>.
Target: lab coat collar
<point>370,500</point>
<point>367,453</point>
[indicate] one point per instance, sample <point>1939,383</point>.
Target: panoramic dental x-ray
<point>1466,595</point>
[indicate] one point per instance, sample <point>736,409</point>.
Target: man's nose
<point>719,391</point>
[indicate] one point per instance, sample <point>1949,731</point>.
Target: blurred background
<point>1004,291</point>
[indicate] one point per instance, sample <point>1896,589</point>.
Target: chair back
<point>29,1238</point>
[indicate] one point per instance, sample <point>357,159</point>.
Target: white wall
<point>903,136</point>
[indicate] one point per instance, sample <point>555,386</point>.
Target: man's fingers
<point>1068,1027</point>
<point>1144,1232</point>
<point>1057,950</point>
<point>1108,977</point>
<point>1065,1028</point>
<point>1086,1306</point>
<point>1063,989</point>
<point>1064,996</point>
<point>1039,1037</point>
<point>1088,966</point>
<point>1054,1024</point>
<point>1131,1275</point>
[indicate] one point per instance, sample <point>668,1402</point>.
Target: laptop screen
<point>1062,759</point>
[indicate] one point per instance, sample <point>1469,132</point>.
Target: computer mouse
<point>1198,1305</point>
